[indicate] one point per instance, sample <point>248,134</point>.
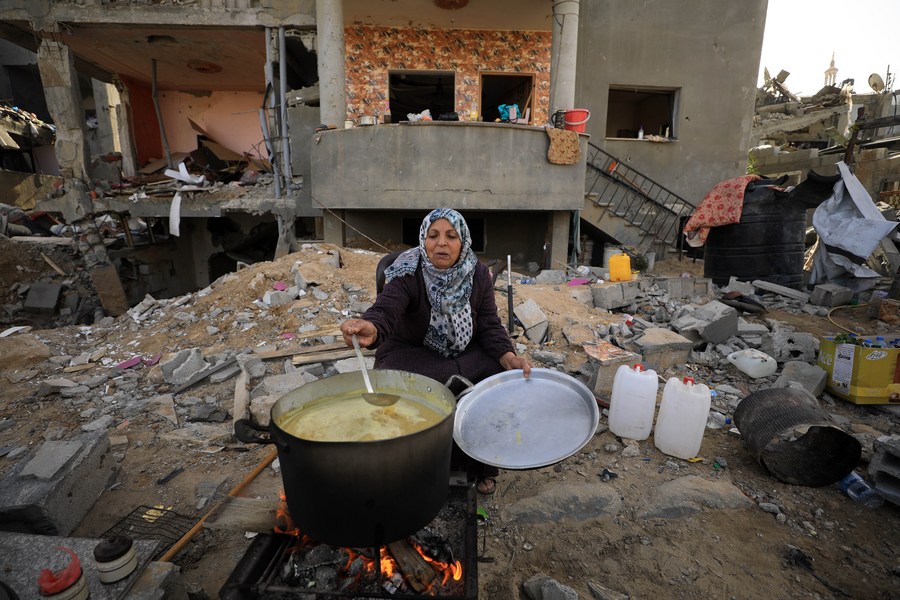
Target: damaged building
<point>226,131</point>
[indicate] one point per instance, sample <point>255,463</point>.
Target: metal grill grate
<point>153,523</point>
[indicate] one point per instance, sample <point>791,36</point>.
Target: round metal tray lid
<point>515,423</point>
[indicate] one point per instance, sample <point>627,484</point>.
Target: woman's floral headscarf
<point>449,290</point>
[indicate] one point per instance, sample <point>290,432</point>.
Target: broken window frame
<point>646,117</point>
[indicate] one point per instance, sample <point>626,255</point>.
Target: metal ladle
<point>372,397</point>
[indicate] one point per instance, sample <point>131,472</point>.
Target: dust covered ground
<point>708,551</point>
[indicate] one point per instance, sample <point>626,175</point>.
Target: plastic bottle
<point>879,342</point>
<point>641,133</point>
<point>633,402</point>
<point>859,490</point>
<point>682,417</point>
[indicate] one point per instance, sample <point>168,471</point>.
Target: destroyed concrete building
<point>226,91</point>
<point>793,135</point>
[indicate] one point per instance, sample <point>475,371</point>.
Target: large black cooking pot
<point>362,494</point>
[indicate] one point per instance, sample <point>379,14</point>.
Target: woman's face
<point>442,244</point>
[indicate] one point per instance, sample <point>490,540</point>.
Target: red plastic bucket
<point>576,119</point>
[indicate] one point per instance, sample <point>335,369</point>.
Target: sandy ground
<point>714,553</point>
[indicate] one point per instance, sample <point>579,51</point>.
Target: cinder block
<point>663,348</point>
<point>830,294</point>
<point>530,314</point>
<point>721,321</point>
<point>609,296</point>
<point>48,495</point>
<point>884,468</point>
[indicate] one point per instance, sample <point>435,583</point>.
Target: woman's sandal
<point>486,486</point>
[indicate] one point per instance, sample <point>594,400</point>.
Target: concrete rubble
<point>675,325</point>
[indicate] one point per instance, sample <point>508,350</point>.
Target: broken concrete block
<point>781,290</point>
<point>56,493</point>
<point>721,321</point>
<point>530,314</point>
<point>831,295</point>
<point>184,365</point>
<point>811,377</point>
<point>261,409</point>
<point>785,345</point>
<point>311,274</point>
<point>278,385</point>
<point>609,296</point>
<point>538,333</point>
<point>663,348</point>
<point>351,365</point>
<point>607,358</point>
<point>225,374</point>
<point>745,327</point>
<point>276,298</point>
<point>548,357</point>
<point>689,326</point>
<point>42,298</point>
<point>742,287</point>
<point>551,276</point>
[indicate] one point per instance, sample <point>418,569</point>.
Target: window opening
<point>505,88</point>
<point>415,91</point>
<point>630,110</point>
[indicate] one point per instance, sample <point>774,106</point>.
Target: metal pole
<point>509,292</point>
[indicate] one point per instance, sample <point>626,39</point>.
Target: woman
<point>437,315</point>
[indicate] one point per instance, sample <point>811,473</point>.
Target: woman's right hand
<point>365,332</point>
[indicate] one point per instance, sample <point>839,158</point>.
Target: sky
<point>801,35</point>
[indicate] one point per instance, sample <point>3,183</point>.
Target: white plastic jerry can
<point>681,422</point>
<point>633,402</point>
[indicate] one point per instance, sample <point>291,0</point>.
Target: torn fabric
<point>721,206</point>
<point>850,227</point>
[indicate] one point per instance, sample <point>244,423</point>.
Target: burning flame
<point>386,562</point>
<point>453,569</point>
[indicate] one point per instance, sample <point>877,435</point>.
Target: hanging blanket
<point>721,206</point>
<point>564,148</point>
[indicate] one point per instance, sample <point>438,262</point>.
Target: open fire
<point>420,566</point>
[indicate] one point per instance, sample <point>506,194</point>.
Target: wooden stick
<point>419,573</point>
<point>177,546</point>
<point>54,265</point>
<point>328,356</point>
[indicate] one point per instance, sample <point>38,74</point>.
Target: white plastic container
<point>681,422</point>
<point>754,363</point>
<point>633,402</point>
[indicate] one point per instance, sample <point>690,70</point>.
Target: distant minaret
<point>831,73</point>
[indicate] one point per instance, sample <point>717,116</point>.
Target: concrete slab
<point>608,358</point>
<point>50,458</point>
<point>530,314</point>
<point>811,377</point>
<point>663,348</point>
<point>830,295</point>
<point>43,298</point>
<point>56,505</point>
<point>23,556</point>
<point>781,290</point>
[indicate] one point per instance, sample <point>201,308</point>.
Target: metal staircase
<point>629,206</point>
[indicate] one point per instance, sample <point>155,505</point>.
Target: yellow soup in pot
<point>349,418</point>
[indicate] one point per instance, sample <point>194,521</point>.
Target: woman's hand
<point>511,360</point>
<point>365,332</point>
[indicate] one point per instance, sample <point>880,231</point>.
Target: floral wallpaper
<point>372,51</point>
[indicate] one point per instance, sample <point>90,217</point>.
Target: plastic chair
<point>383,264</point>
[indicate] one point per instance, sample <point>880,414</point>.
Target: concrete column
<point>559,239</point>
<point>57,68</point>
<point>107,136</point>
<point>123,126</point>
<point>333,231</point>
<point>563,54</point>
<point>330,61</point>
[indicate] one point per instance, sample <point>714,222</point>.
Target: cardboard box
<point>861,375</point>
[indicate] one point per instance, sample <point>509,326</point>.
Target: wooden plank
<point>328,356</point>
<point>418,573</point>
<point>55,266</point>
<point>297,351</point>
<point>237,513</point>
